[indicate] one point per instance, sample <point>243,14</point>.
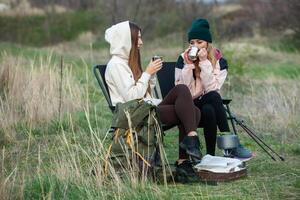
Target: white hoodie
<point>119,78</point>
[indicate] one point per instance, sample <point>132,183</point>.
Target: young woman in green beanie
<point>127,81</point>
<point>205,76</point>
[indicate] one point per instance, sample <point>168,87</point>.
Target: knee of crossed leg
<point>216,96</point>
<point>183,89</point>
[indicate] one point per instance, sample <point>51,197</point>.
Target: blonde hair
<point>211,56</point>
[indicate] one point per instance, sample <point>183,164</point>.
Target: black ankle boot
<point>191,145</point>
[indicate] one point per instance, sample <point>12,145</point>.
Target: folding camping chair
<point>166,81</point>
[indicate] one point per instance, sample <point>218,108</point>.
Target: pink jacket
<point>211,77</point>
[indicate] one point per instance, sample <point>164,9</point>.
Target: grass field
<point>53,123</point>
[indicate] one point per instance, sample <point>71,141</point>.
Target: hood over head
<point>119,38</point>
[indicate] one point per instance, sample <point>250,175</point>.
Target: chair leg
<point>251,133</point>
<point>231,119</point>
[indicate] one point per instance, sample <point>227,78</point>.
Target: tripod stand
<point>250,132</point>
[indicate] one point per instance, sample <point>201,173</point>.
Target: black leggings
<point>177,108</point>
<point>213,115</point>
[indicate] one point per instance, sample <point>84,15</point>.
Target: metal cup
<point>193,53</point>
<point>156,57</point>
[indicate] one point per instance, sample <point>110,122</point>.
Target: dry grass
<point>73,164</point>
<point>270,106</point>
<point>30,92</point>
<point>269,101</point>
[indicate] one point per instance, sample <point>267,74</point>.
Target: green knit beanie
<point>200,30</point>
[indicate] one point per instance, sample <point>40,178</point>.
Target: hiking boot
<point>186,168</point>
<point>185,172</point>
<point>191,145</point>
<point>240,152</point>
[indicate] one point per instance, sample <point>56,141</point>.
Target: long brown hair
<point>134,61</point>
<point>210,56</point>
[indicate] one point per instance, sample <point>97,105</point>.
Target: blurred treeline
<point>47,22</point>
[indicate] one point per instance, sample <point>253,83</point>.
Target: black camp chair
<point>166,81</point>
<point>99,71</point>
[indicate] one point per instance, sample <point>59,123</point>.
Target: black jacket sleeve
<point>180,63</point>
<point>223,64</point>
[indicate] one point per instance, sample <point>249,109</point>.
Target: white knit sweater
<point>118,75</point>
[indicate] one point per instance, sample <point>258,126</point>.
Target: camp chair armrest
<point>226,101</point>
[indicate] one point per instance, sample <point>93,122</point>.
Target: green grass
<point>54,159</point>
<point>288,44</point>
<point>285,69</point>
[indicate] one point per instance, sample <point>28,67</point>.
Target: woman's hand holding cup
<point>186,56</point>
<point>154,66</point>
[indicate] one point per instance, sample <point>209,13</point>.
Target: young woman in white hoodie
<point>127,81</point>
<point>205,76</point>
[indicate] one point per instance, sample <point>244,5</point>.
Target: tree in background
<point>73,4</point>
<point>229,19</point>
<point>276,17</point>
<point>157,18</point>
